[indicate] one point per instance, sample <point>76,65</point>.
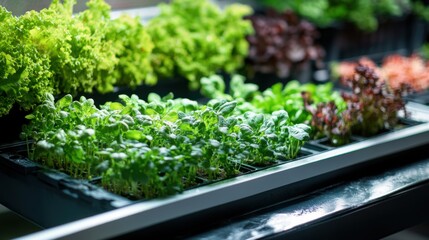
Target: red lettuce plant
<point>281,43</point>
<point>378,104</point>
<point>396,70</point>
<point>328,120</point>
<point>371,107</point>
<point>413,71</point>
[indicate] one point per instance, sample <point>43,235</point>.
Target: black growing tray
<point>57,198</point>
<point>50,198</point>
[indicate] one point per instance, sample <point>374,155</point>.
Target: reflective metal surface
<point>323,204</point>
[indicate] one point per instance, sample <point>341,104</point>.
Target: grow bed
<point>51,198</point>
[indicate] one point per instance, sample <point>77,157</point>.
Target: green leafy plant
<point>76,54</point>
<point>421,9</point>
<point>289,98</point>
<point>363,13</point>
<point>52,51</point>
<point>194,38</point>
<point>127,39</point>
<point>158,147</point>
<point>25,74</point>
<point>277,97</point>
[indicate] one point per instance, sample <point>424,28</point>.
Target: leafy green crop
<point>421,9</point>
<point>52,51</point>
<point>76,54</point>
<point>194,38</point>
<point>159,147</point>
<point>128,41</point>
<point>363,13</point>
<point>25,74</point>
<point>275,98</point>
<point>370,107</point>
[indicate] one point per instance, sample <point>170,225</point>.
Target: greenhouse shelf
<point>49,198</point>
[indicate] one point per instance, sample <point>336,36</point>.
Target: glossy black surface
<point>323,205</point>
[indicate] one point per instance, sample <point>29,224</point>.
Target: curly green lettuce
<point>77,53</point>
<point>25,74</point>
<point>54,51</point>
<point>133,47</point>
<point>126,44</point>
<point>194,38</point>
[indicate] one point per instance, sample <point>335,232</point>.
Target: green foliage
<point>275,98</point>
<point>421,9</point>
<point>128,43</point>
<point>289,98</point>
<point>52,51</point>
<point>194,38</point>
<point>75,52</point>
<point>25,74</point>
<point>363,13</point>
<point>158,147</point>
<point>134,47</point>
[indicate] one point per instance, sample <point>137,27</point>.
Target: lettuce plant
<point>282,44</point>
<point>395,69</point>
<point>25,73</point>
<point>371,108</point>
<point>194,38</point>
<point>378,105</point>
<point>76,54</point>
<point>127,39</point>
<point>53,51</point>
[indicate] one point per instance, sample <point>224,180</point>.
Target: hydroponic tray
<point>50,198</point>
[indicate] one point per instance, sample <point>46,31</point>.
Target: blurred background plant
<point>195,38</point>
<point>281,44</point>
<point>363,13</point>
